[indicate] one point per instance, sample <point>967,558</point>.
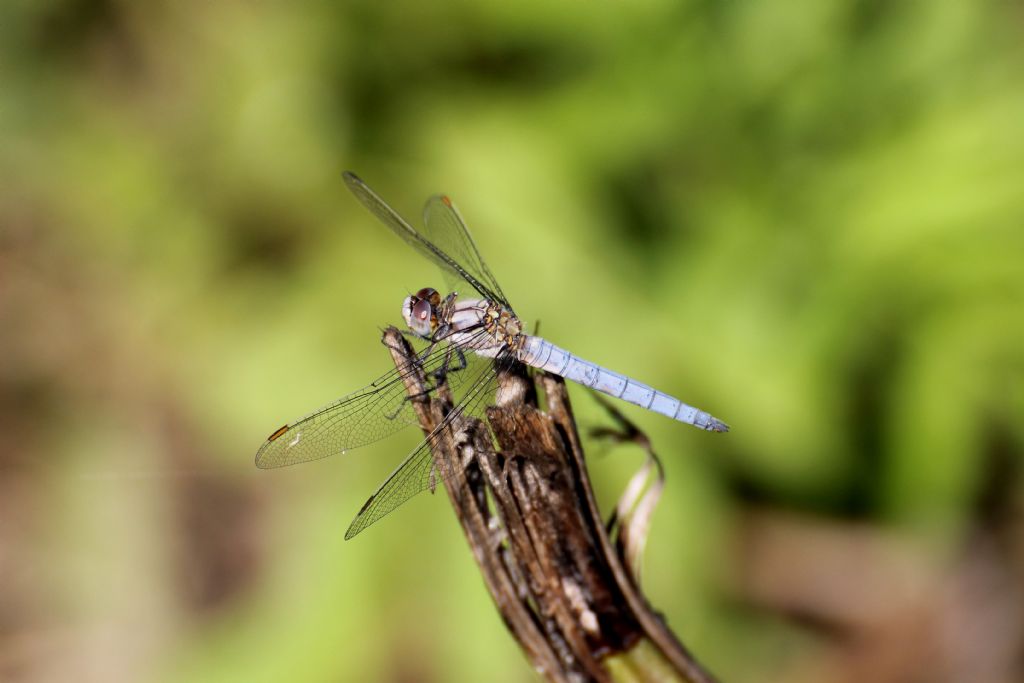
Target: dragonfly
<point>471,335</point>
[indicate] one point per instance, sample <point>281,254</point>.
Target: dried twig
<point>529,515</point>
<point>631,520</point>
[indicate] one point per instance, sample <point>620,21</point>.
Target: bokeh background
<point>803,217</point>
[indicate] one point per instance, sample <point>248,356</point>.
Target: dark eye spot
<point>421,309</point>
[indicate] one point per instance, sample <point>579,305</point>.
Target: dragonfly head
<point>420,311</point>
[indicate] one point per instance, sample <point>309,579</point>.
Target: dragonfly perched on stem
<point>471,335</point>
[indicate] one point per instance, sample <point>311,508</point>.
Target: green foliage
<point>804,217</point>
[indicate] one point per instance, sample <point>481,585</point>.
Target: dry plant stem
<point>529,515</point>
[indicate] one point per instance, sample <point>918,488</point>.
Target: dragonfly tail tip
<point>716,425</point>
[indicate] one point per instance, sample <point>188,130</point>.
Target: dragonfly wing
<point>401,227</point>
<point>411,477</point>
<point>376,411</point>
<point>419,471</point>
<point>445,228</point>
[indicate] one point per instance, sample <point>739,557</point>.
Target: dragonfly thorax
<point>484,326</point>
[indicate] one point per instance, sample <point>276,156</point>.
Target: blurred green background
<point>803,217</point>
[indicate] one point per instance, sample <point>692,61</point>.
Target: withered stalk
<point>529,515</point>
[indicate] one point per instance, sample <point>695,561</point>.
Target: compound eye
<point>421,311</point>
<point>430,294</point>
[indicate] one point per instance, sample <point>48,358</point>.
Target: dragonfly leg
<point>411,397</point>
<point>437,375</point>
<point>411,335</point>
<point>443,331</point>
<point>447,366</point>
<point>441,372</point>
<point>425,353</point>
<point>407,399</point>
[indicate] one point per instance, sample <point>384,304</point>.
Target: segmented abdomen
<point>542,354</point>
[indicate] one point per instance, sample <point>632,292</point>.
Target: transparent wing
<point>377,410</point>
<point>445,228</point>
<point>418,471</point>
<point>389,217</point>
